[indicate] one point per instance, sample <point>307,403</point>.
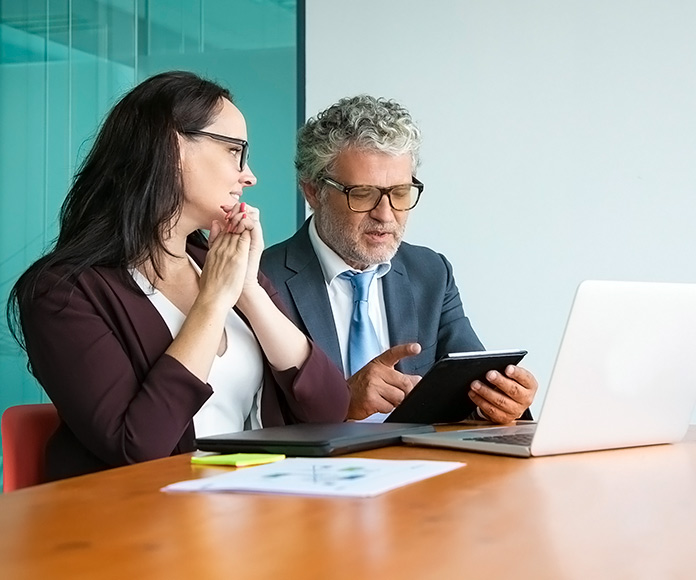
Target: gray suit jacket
<point>421,298</point>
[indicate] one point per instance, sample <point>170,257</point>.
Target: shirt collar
<point>331,263</point>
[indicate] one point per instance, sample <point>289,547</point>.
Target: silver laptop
<point>623,376</point>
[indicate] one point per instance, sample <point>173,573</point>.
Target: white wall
<point>559,142</point>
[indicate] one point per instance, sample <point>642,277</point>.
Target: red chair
<point>25,431</point>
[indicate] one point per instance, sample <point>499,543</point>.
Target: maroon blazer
<point>97,347</point>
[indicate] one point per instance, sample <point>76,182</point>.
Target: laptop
<point>312,439</point>
<point>623,376</point>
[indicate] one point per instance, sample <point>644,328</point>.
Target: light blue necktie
<point>363,344</point>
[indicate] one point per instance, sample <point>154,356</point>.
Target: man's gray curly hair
<point>362,122</point>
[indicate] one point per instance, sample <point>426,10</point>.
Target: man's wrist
<point>479,412</point>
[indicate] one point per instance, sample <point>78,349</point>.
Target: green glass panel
<point>249,46</point>
<point>64,63</point>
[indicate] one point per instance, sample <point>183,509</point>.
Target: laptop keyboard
<point>510,439</point>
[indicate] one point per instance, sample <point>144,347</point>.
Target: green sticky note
<point>237,459</point>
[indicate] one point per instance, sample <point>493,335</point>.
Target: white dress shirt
<point>341,295</point>
<point>236,376</point>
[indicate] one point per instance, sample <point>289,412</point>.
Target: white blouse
<point>236,377</point>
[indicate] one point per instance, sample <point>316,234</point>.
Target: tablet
<point>312,439</point>
<point>442,395</point>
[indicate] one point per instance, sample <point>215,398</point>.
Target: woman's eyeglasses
<point>244,156</point>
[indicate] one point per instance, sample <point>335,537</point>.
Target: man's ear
<point>310,192</point>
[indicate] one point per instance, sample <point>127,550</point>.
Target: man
<point>356,163</point>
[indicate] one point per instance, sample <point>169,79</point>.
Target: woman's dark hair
<point>128,189</point>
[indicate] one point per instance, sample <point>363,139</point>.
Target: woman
<point>137,327</point>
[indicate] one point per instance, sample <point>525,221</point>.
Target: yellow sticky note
<point>237,459</point>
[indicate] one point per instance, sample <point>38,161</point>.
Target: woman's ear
<point>182,150</point>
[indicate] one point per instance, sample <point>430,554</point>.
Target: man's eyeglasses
<point>243,157</point>
<point>364,198</point>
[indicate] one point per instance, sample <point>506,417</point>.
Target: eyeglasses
<point>243,158</point>
<point>364,198</point>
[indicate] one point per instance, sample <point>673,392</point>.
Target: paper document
<point>333,476</point>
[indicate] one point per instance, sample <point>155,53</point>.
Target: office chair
<point>25,432</point>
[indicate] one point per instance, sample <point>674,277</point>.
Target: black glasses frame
<point>383,191</point>
<point>244,157</point>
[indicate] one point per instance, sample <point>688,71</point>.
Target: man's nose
<point>383,212</point>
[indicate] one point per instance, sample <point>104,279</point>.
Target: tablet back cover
<point>442,395</point>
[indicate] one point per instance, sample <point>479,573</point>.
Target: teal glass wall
<point>64,63</point>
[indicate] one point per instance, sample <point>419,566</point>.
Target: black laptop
<point>312,439</point>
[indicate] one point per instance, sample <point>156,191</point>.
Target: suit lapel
<point>149,330</point>
<point>308,291</point>
<point>401,309</point>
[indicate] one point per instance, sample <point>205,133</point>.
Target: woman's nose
<point>247,177</point>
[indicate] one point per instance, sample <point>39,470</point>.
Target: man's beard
<point>352,249</point>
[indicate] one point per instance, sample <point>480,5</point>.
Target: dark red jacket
<point>97,348</point>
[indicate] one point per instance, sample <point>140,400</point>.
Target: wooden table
<point>613,514</point>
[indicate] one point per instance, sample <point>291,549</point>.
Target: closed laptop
<point>312,439</point>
